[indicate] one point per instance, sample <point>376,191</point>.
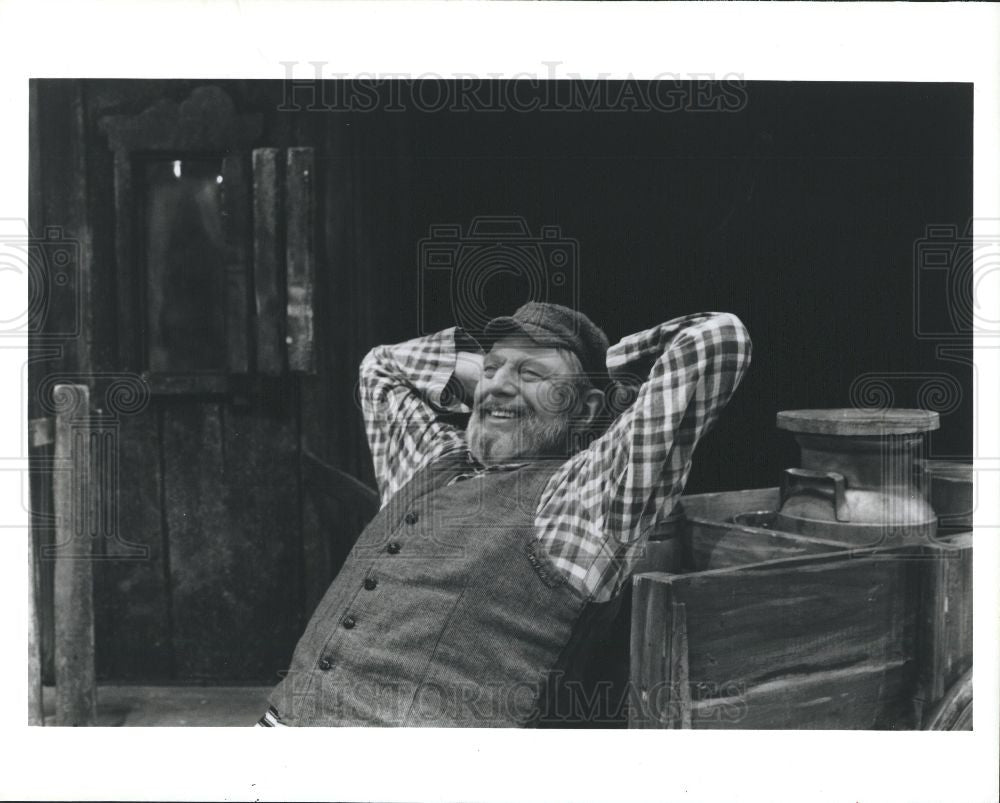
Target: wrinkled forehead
<point>518,348</point>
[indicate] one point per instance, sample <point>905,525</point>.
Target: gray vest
<point>445,613</point>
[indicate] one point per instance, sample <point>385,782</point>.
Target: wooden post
<point>73,493</point>
<point>35,714</point>
<point>41,433</point>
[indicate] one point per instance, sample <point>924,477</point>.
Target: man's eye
<point>489,370</point>
<point>531,374</point>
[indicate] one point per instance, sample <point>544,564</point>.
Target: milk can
<point>857,482</point>
<point>950,488</point>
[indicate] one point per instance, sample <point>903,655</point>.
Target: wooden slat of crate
<point>946,626</point>
<point>715,545</point>
<point>863,696</point>
<point>785,627</point>
<point>764,625</point>
<point>726,504</point>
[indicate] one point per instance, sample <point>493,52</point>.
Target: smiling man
<point>502,548</point>
<point>532,388</point>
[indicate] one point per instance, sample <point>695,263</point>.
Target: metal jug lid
<point>858,421</point>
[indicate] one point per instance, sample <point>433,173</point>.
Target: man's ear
<point>591,404</point>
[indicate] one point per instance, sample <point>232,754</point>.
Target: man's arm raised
<point>600,506</point>
<point>405,389</point>
<point>468,369</point>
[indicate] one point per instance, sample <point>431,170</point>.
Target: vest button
<point>370,583</point>
<point>326,664</point>
<point>348,622</point>
<point>411,517</point>
<point>393,548</point>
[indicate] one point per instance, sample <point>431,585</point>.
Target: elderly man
<point>501,548</point>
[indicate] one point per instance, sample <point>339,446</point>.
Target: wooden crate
<point>828,638</point>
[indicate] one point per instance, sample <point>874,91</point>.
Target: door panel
<point>201,564</point>
<point>262,503</point>
<point>131,594</point>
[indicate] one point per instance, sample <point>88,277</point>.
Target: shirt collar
<point>495,467</point>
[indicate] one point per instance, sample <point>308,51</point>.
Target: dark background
<point>800,211</point>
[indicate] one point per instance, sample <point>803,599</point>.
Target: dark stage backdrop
<point>802,208</point>
<point>802,213</point>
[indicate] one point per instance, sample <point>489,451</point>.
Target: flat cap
<point>556,326</point>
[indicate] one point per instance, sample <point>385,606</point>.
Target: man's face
<point>524,404</point>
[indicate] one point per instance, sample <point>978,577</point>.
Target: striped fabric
<point>599,507</point>
<point>270,719</point>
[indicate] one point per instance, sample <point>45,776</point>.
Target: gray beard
<point>531,438</point>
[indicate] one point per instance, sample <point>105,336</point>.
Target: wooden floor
<point>118,706</point>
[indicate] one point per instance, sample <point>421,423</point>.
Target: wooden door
<point>192,214</point>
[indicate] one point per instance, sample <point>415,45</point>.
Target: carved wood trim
<point>207,120</point>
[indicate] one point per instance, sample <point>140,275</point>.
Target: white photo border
<point>759,41</point>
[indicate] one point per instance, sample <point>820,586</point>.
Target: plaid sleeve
<point>597,510</point>
<point>404,390</point>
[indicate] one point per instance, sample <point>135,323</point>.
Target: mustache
<point>489,406</point>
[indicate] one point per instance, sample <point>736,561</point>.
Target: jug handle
<point>798,481</point>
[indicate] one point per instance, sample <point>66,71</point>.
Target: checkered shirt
<point>601,504</point>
